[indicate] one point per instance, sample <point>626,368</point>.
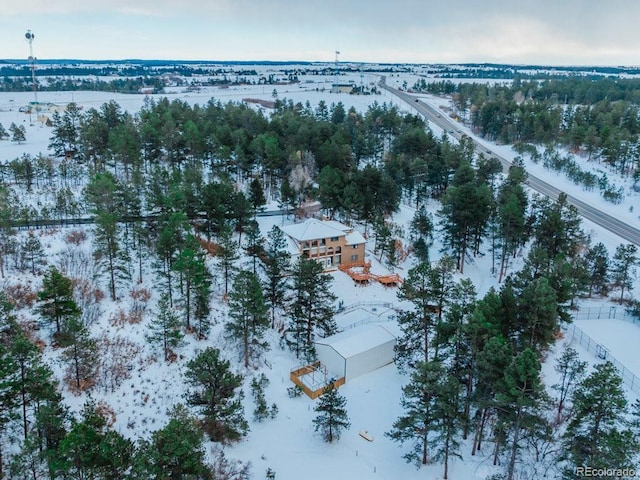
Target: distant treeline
<point>121,85</point>
<point>81,70</point>
<point>498,71</point>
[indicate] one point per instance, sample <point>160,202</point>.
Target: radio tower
<point>30,36</point>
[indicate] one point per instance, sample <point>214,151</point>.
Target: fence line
<point>365,321</point>
<point>607,313</point>
<point>365,305</point>
<point>573,333</point>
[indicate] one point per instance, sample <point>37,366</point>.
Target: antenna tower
<point>30,36</point>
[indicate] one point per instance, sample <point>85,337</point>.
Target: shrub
<point>76,237</point>
<point>21,296</point>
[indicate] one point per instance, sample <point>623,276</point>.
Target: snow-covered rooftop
<point>354,238</point>
<point>314,229</point>
<point>358,339</point>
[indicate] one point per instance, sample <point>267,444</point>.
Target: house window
<point>354,257</point>
<point>354,246</point>
<point>334,239</point>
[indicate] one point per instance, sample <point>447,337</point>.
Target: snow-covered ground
<point>288,444</point>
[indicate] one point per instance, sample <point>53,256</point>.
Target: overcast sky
<point>549,32</point>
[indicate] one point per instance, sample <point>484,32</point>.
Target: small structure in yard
<point>313,379</point>
<point>356,351</point>
<point>366,435</point>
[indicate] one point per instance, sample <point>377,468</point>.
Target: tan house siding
<point>353,256</point>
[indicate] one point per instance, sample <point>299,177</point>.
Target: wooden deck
<point>362,277</point>
<point>313,379</point>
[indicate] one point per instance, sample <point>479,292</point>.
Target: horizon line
<point>314,62</point>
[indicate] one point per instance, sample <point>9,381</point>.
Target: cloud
<point>543,31</point>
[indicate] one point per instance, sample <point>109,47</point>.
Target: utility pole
<point>30,36</point>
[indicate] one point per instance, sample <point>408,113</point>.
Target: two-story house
<point>329,242</point>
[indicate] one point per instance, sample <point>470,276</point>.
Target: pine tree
<point>109,253</point>
<point>105,195</point>
<point>171,233</point>
<point>56,302</point>
<point>418,398</point>
<point>202,295</point>
<point>18,133</point>
<point>331,183</point>
<point>454,342</point>
<point>254,243</point>
<point>32,251</point>
<point>512,205</point>
<point>288,198</point>
<point>428,289</point>
<point>249,320</point>
<point>332,417</point>
<point>81,352</point>
<point>214,393</point>
<point>256,194</point>
<point>214,203</point>
<point>66,131</point>
<point>6,232</point>
<point>194,278</point>
<point>33,378</point>
<point>421,233</point>
<point>383,234</point>
<point>465,212</point>
<point>597,259</point>
<point>175,452</point>
<point>623,269</point>
<point>519,401</point>
<point>227,256</point>
<point>165,328</point>
<point>91,450</point>
<point>566,276</point>
<point>557,230</point>
<point>490,364</point>
<point>3,132</point>
<point>448,421</point>
<point>571,373</point>
<point>240,213</point>
<point>262,411</point>
<point>49,427</point>
<point>9,386</point>
<point>28,397</point>
<point>536,321</point>
<point>598,434</point>
<point>276,264</point>
<point>311,306</point>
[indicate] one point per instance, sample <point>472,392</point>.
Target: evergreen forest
<point>160,213</point>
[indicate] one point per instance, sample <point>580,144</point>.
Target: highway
<point>623,230</point>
